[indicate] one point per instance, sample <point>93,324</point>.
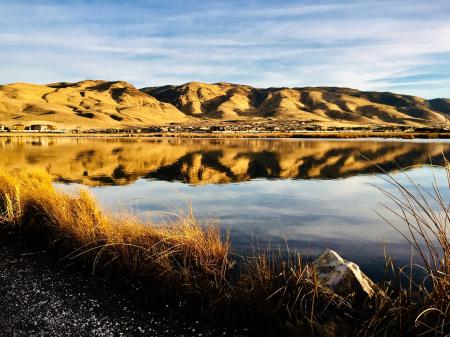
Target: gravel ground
<point>42,297</point>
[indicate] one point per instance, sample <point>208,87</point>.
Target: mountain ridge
<point>118,104</point>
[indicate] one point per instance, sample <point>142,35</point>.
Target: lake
<point>296,194</point>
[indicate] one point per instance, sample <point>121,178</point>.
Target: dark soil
<point>41,296</point>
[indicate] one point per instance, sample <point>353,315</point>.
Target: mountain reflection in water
<point>97,162</point>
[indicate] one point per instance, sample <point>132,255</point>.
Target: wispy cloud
<point>373,45</point>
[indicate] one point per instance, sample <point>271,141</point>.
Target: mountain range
<point>118,104</point>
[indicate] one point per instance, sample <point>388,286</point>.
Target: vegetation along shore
<point>192,263</point>
<point>309,135</point>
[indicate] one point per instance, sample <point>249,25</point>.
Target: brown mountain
<point>94,104</point>
<point>320,104</point>
<point>100,104</point>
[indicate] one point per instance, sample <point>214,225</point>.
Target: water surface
<point>303,194</point>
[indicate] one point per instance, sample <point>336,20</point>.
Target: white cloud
<point>348,43</point>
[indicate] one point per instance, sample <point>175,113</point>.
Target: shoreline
<point>187,262</point>
<point>44,296</point>
<point>235,135</point>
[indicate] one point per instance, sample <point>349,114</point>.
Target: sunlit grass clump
<point>182,253</point>
<point>274,294</point>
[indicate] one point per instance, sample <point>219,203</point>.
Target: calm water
<point>307,194</point>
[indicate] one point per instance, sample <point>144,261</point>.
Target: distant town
<point>257,127</point>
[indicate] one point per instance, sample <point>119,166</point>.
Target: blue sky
<point>400,46</point>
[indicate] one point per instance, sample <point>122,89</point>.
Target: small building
<point>38,127</point>
<point>42,127</point>
<point>3,128</point>
<point>18,127</point>
<point>78,129</point>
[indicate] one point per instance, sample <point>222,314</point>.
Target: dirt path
<point>38,298</point>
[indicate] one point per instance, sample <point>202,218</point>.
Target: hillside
<point>325,105</point>
<point>92,104</point>
<point>101,104</point>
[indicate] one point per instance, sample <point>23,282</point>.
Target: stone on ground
<point>344,277</point>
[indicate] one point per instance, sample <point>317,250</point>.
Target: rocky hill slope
<point>100,104</point>
<point>320,104</point>
<point>93,104</point>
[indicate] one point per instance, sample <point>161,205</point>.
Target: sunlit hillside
<point>87,104</point>
<point>101,104</point>
<point>321,104</point>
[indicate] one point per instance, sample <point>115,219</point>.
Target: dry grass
<point>423,219</point>
<point>275,295</point>
<point>182,253</point>
<point>286,295</point>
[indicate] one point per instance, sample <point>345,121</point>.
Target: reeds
<point>423,218</point>
<point>274,295</point>
<point>183,253</point>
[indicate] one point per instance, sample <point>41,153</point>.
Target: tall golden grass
<point>422,217</point>
<point>182,253</point>
<point>274,294</point>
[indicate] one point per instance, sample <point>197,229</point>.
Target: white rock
<point>342,276</point>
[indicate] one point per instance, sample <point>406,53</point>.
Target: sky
<point>399,46</point>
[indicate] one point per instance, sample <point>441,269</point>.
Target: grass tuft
<point>183,253</point>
